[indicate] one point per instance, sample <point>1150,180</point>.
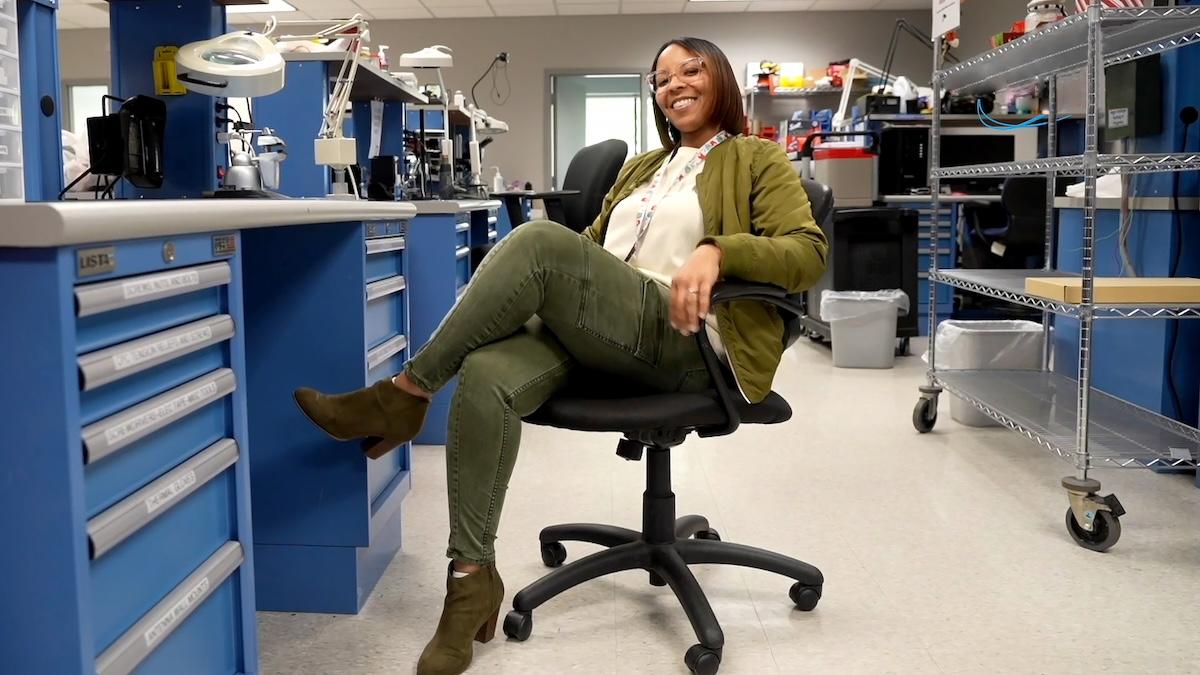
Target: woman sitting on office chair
<point>547,302</point>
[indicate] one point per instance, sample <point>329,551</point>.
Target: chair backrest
<point>1024,198</point>
<point>592,172</point>
<point>820,199</point>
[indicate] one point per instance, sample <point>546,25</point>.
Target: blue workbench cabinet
<point>124,473</point>
<point>446,238</point>
<point>328,308</point>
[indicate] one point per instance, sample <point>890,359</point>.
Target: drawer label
<point>134,357</point>
<point>166,495</point>
<point>176,613</point>
<point>224,245</point>
<point>92,261</point>
<point>160,283</point>
<point>165,411</point>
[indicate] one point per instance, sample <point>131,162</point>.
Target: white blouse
<point>676,229</point>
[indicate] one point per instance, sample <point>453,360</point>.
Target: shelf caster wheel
<point>1106,530</point>
<point>554,554</point>
<point>702,660</point>
<point>903,346</point>
<point>518,625</point>
<point>816,337</point>
<point>708,535</point>
<point>804,597</point>
<point>925,415</point>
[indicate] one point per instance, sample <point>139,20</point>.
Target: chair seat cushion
<point>652,412</point>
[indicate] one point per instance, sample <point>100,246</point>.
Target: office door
<point>588,109</point>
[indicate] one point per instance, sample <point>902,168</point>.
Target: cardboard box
<point>1118,290</point>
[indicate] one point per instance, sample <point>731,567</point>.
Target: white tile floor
<point>943,553</point>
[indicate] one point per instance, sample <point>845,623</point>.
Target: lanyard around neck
<point>652,198</point>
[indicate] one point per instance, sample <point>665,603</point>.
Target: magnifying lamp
<point>241,64</point>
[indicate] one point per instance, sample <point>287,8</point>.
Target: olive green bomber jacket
<point>756,211</point>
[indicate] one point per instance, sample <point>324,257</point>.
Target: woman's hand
<point>691,289</point>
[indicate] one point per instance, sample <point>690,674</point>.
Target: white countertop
<point>444,206</point>
<point>1136,204</point>
<point>46,224</point>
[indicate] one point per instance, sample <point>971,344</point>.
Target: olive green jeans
<point>545,305</point>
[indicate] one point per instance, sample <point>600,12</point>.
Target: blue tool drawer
<point>462,234</point>
<point>156,334</point>
<point>462,266</point>
<point>385,309</point>
<point>135,575</point>
<point>385,257</point>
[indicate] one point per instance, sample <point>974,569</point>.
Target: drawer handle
<point>492,234</point>
<point>462,252</point>
<point>385,350</point>
<point>492,220</point>
<point>164,618</point>
<point>126,517</point>
<point>120,361</point>
<point>103,438</point>
<point>383,287</point>
<point>109,295</point>
<point>462,227</point>
<point>385,244</point>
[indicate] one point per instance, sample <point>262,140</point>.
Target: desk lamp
<point>248,64</point>
<point>437,57</point>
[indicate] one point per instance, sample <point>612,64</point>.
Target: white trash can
<point>986,345</point>
<point>863,326</point>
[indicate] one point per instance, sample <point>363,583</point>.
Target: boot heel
<point>488,630</point>
<point>375,447</point>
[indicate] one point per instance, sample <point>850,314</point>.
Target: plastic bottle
<point>497,180</point>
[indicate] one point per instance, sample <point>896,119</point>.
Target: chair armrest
<point>728,291</point>
<point>736,289</point>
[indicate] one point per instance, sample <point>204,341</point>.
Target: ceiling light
<point>270,7</point>
<point>716,0</point>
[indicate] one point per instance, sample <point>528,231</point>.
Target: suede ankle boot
<point>383,415</point>
<point>471,611</point>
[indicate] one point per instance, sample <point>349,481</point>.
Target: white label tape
<point>164,496</point>
<point>166,410</point>
<point>133,357</point>
<point>175,613</point>
<point>159,284</point>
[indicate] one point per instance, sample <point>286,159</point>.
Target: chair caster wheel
<point>554,554</point>
<point>805,597</point>
<point>702,660</point>
<point>708,535</point>
<point>518,625</point>
<point>657,580</point>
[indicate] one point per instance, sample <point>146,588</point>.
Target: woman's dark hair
<point>727,106</point>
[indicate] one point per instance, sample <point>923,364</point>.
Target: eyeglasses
<point>689,71</point>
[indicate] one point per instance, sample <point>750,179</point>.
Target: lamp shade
<point>238,64</point>
<point>437,56</point>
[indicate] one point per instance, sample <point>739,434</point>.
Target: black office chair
<point>1012,236</point>
<point>667,545</point>
<point>590,176</point>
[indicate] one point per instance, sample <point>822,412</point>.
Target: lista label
<point>133,357</point>
<point>166,410</point>
<point>159,284</point>
<point>164,496</point>
<point>90,261</point>
<point>177,611</point>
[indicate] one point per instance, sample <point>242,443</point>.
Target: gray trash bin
<point>986,345</point>
<point>862,325</point>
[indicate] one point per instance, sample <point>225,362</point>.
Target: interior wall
<point>543,44</point>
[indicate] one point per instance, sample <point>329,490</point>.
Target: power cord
<point>1188,115</point>
<point>502,57</point>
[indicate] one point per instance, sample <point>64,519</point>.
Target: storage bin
<point>863,326</point>
<point>986,345</point>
